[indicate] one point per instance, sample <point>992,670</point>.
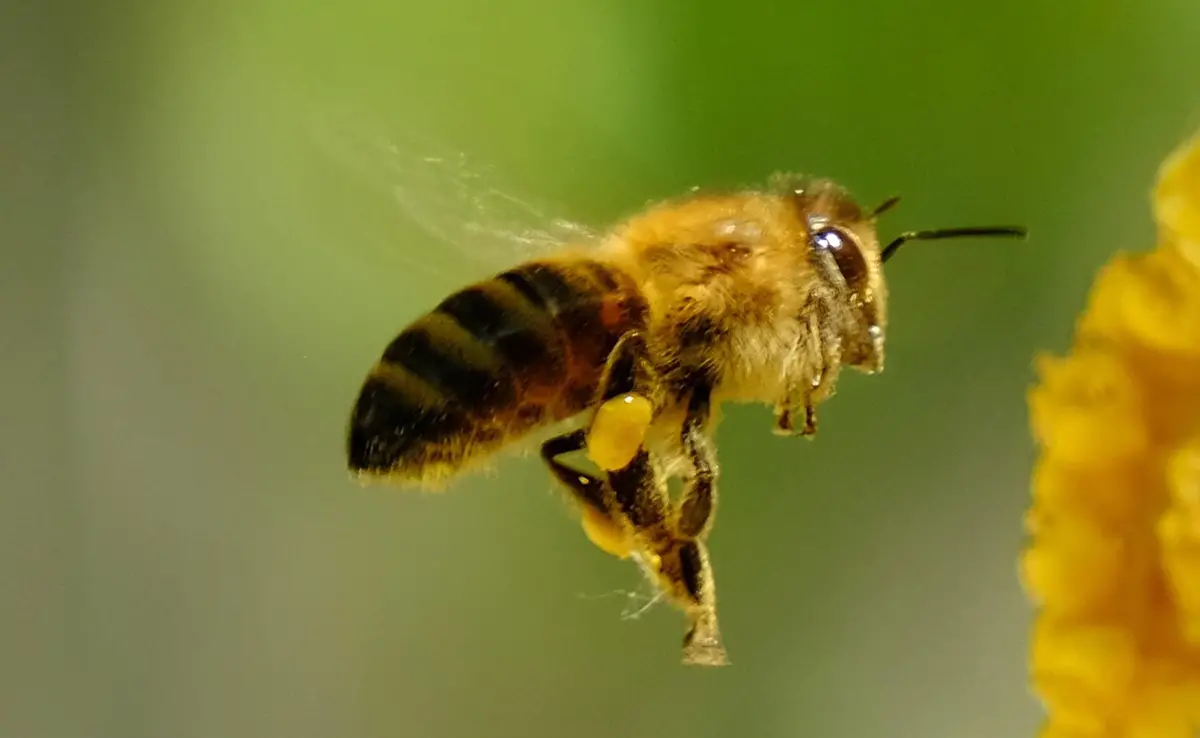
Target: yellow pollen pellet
<point>605,534</point>
<point>618,430</point>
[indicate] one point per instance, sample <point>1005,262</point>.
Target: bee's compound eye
<point>845,253</point>
<point>829,239</point>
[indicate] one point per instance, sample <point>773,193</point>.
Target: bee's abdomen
<point>490,363</point>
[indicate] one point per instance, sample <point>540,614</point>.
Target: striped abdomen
<point>490,363</point>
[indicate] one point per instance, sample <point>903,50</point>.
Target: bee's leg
<point>624,404</point>
<point>800,405</point>
<point>812,383</point>
<point>698,502</point>
<point>785,414</point>
<point>682,566</point>
<point>819,389</point>
<point>696,509</point>
<point>602,527</point>
<point>686,576</point>
<point>587,489</point>
<point>616,434</point>
<point>677,565</point>
<point>702,646</point>
<point>612,442</point>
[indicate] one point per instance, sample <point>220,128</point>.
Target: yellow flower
<point>1113,562</point>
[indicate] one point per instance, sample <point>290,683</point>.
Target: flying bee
<point>757,296</point>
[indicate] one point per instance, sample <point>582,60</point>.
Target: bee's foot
<point>702,646</point>
<point>810,422</point>
<point>785,423</point>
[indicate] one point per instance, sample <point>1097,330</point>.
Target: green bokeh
<point>199,564</point>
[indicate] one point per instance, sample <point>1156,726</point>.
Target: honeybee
<point>755,296</point>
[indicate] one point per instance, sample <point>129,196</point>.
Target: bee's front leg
<point>810,382</point>
<point>796,413</point>
<point>787,410</point>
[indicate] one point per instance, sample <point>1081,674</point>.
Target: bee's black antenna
<point>939,233</point>
<point>885,206</point>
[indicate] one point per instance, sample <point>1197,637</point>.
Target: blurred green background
<point>195,287</point>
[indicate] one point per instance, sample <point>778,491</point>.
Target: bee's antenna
<point>885,206</point>
<point>1010,231</point>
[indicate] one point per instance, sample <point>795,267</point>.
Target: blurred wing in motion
<point>459,202</point>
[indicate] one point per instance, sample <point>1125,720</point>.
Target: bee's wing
<point>460,202</point>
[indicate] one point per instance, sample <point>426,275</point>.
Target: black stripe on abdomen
<point>434,360</point>
<point>505,324</point>
<point>487,364</point>
<point>387,425</point>
<point>543,286</point>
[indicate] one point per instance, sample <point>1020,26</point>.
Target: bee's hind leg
<point>615,520</point>
<point>602,527</point>
<point>677,562</point>
<point>625,404</point>
<point>615,440</point>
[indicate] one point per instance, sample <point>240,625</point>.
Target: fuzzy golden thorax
<point>769,292</point>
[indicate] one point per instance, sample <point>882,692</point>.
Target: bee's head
<point>845,251</point>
